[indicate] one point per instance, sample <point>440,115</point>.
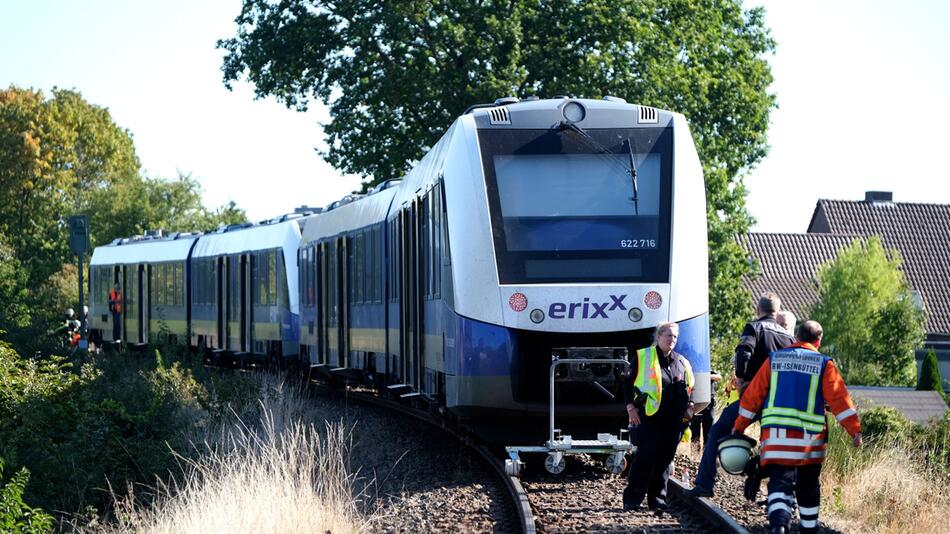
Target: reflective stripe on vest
<point>790,369</point>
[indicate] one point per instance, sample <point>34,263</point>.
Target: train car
<point>589,221</point>
<point>245,299</point>
<point>153,276</point>
<point>343,287</point>
<point>531,231</point>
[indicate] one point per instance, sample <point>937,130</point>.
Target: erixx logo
<point>586,309</point>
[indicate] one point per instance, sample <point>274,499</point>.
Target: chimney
<point>878,196</point>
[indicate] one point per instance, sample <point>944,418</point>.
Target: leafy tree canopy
<point>872,325</point>
<point>395,74</point>
<point>56,156</point>
<point>62,155</point>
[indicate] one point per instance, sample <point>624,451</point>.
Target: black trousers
<point>802,482</point>
<point>116,326</point>
<point>704,421</point>
<point>656,440</point>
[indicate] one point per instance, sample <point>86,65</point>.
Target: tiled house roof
<point>918,406</point>
<point>787,265</point>
<point>921,232</point>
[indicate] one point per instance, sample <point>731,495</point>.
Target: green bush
<point>884,423</point>
<point>15,515</point>
<point>933,442</point>
<point>109,422</point>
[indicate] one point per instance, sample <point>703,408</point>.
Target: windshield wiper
<point>601,149</point>
<point>633,176</point>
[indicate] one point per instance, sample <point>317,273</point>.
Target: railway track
<point>586,498</point>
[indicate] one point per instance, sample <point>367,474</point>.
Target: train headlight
<point>536,315</point>
<point>573,112</point>
<point>635,314</point>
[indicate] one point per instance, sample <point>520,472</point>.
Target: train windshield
<point>570,208</point>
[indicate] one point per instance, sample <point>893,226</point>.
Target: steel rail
<point>516,493</point>
<point>710,511</point>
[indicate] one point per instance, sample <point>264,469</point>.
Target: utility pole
<point>79,244</point>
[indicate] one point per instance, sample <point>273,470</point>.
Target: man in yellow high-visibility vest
<point>657,396</point>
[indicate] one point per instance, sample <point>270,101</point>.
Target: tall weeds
<point>888,486</point>
<point>270,470</point>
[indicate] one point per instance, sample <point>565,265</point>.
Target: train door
<point>142,290</point>
<point>221,301</point>
<point>130,304</point>
<point>116,279</point>
<point>418,296</point>
<point>234,326</point>
<point>344,329</point>
<point>410,301</point>
<point>322,303</point>
<point>247,307</point>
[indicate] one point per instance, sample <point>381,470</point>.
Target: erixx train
<point>531,230</point>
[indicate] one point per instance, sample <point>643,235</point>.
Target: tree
<point>930,379</point>
<point>394,74</point>
<point>57,156</point>
<point>156,203</point>
<point>872,325</point>
<point>14,311</point>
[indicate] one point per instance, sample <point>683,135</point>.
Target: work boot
<point>779,530</point>
<point>631,507</point>
<point>657,504</point>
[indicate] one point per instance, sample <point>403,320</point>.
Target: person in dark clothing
<point>657,397</point>
<point>703,421</point>
<point>759,338</point>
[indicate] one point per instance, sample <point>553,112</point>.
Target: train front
<point>576,226</point>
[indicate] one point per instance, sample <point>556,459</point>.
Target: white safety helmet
<point>70,313</point>
<point>734,453</point>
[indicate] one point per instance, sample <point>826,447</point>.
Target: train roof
<point>610,112</point>
<point>362,212</point>
<point>143,250</point>
<point>285,234</point>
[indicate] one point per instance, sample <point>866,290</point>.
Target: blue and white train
<point>533,229</point>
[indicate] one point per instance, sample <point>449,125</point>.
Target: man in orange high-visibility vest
<point>790,392</point>
<point>115,307</point>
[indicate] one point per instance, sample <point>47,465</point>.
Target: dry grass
<point>276,473</point>
<point>891,492</point>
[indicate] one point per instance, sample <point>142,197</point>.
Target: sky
<point>863,89</point>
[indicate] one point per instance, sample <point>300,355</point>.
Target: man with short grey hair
<point>787,320</point>
<point>759,338</point>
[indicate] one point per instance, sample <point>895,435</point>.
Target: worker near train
<point>790,392</point>
<point>657,396</point>
<point>115,308</point>
<point>759,338</point>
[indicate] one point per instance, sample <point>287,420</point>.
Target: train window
<point>154,295</point>
<point>179,284</point>
<point>446,256</point>
<point>281,294</point>
<point>380,262</point>
<point>272,278</point>
<point>437,241</point>
<point>423,244</point>
<point>557,203</point>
